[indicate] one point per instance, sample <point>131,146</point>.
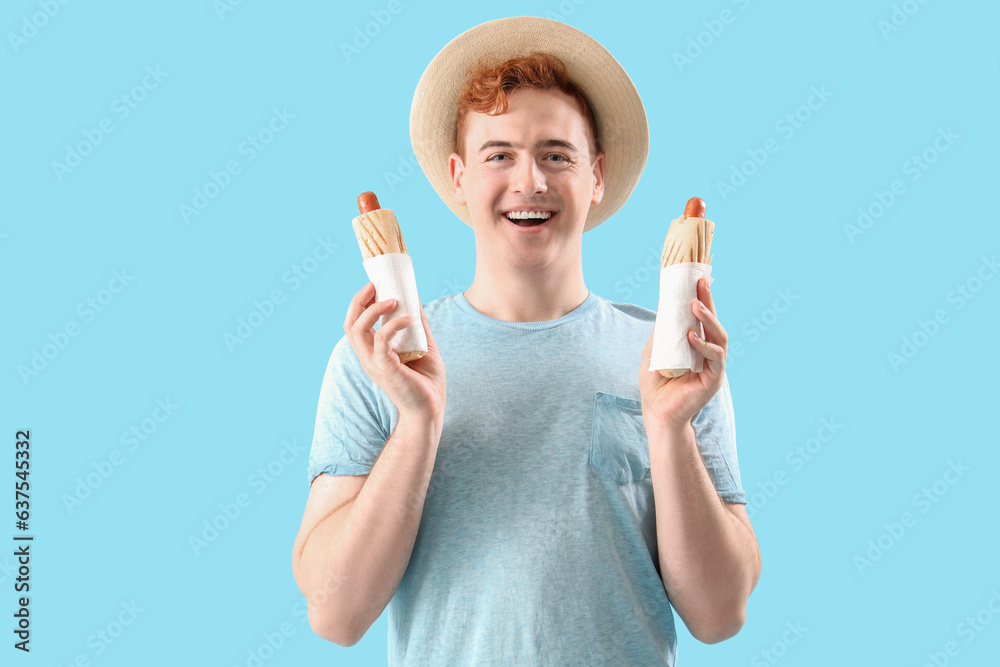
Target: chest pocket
<point>618,447</point>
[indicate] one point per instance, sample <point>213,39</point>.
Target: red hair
<point>487,88</point>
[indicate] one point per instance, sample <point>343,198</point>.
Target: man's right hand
<point>417,389</point>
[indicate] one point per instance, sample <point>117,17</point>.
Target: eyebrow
<point>543,143</point>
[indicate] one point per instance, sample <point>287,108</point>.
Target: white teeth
<point>526,215</point>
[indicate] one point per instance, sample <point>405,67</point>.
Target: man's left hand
<point>675,401</point>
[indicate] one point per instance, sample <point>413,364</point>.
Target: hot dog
<point>376,228</point>
<point>695,207</point>
<point>689,239</point>
<point>378,234</point>
<point>367,202</point>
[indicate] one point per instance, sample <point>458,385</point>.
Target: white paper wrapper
<point>392,274</point>
<point>674,317</point>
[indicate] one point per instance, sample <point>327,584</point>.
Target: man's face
<point>532,160</point>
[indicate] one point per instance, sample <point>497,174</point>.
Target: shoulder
<point>632,311</point>
<point>446,318</point>
<point>343,365</point>
<point>627,315</point>
<point>439,306</point>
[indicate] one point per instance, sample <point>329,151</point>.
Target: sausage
<point>367,202</point>
<point>695,208</point>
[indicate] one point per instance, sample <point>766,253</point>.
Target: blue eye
<point>560,157</point>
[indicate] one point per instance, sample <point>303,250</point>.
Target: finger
<point>362,333</point>
<point>359,342</point>
<point>713,353</point>
<point>366,322</point>
<point>710,350</point>
<point>705,294</point>
<point>713,328</point>
<point>383,338</point>
<point>361,300</point>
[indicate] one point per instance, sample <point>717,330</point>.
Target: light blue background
<point>162,336</point>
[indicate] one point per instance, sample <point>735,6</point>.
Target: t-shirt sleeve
<point>353,420</point>
<point>715,430</point>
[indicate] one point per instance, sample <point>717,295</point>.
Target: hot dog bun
<point>407,357</point>
<point>378,234</point>
<point>376,228</point>
<point>689,239</point>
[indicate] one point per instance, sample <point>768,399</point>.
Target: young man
<point>554,500</point>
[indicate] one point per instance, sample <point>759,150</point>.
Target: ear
<point>598,180</point>
<point>457,170</point>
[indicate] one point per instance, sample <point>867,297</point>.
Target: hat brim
<point>623,130</point>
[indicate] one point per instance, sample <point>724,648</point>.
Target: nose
<point>528,179</point>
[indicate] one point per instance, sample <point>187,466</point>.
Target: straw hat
<point>621,119</point>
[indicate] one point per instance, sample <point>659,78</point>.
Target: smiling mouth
<point>529,218</point>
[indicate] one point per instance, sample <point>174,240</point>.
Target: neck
<point>516,295</point>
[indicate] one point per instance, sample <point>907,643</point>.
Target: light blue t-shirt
<point>537,544</point>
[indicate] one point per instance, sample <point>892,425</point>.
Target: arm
<point>708,553</point>
<point>349,558</point>
<point>351,553</point>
